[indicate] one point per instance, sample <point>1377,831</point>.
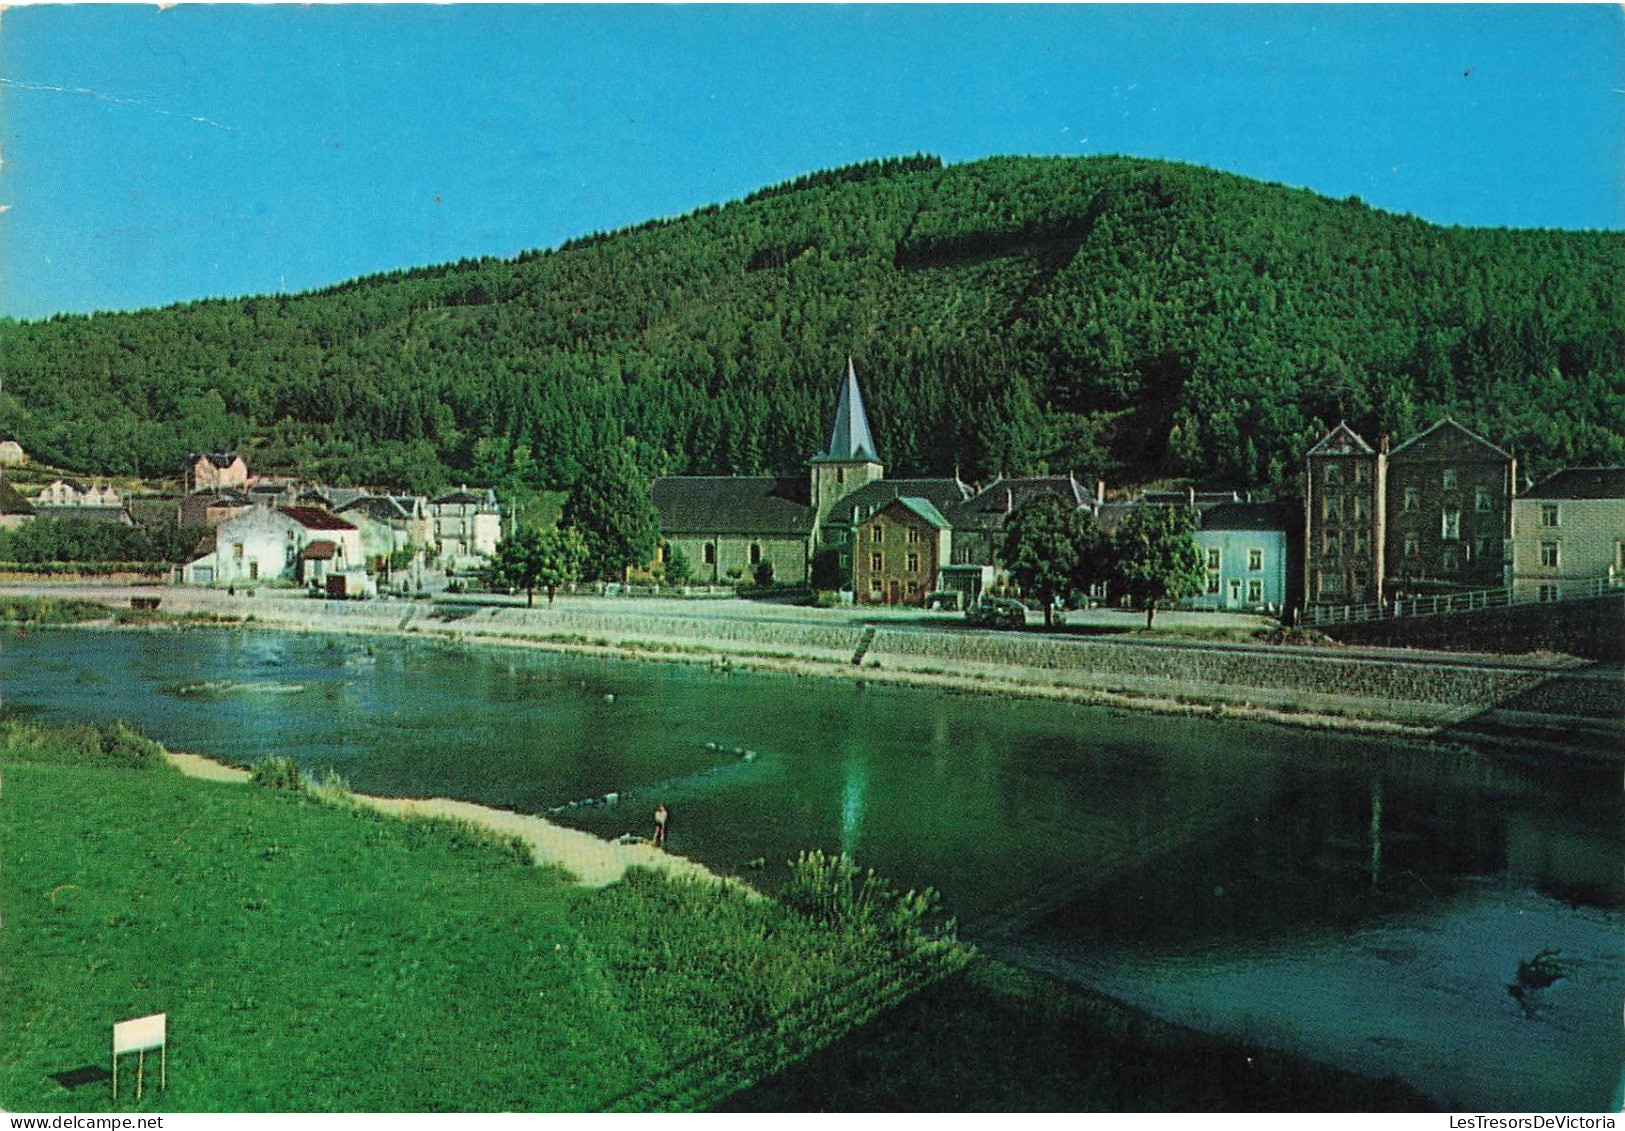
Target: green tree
<point>678,568</point>
<point>612,508</point>
<point>532,559</point>
<point>1156,556</point>
<point>1050,548</point>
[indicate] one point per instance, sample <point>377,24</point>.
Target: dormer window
<point>1450,479</point>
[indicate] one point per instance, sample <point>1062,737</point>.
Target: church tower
<point>849,461</point>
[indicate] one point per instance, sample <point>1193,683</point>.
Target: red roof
<point>315,518</point>
<point>318,552</point>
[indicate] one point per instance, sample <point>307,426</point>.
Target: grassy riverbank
<point>313,954</point>
<point>317,956</point>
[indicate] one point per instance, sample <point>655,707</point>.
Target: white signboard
<point>139,1034</point>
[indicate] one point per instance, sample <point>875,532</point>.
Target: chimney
<point>1100,492</point>
<point>1382,444</point>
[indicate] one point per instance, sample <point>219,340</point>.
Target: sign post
<point>138,1035</point>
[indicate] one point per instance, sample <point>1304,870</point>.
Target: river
<point>1359,901</point>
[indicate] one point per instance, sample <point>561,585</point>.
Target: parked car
<point>997,612</point>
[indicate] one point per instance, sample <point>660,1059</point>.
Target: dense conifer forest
<point>1110,316</point>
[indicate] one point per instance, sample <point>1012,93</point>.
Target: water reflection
<point>1105,844</point>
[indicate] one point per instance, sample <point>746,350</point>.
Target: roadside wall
<point>1593,629</point>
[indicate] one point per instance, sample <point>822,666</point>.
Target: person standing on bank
<point>661,816</point>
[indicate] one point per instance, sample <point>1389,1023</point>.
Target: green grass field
<point>313,956</point>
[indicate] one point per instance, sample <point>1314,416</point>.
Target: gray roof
<point>11,502</point>
<point>1581,483</point>
<point>384,508</point>
<point>729,504</point>
<point>1246,516</point>
<point>466,496</point>
<point>1444,430</point>
<point>1341,441</point>
<point>849,439</point>
<point>925,510</point>
<point>940,493</point>
<point>988,509</point>
<point>86,513</point>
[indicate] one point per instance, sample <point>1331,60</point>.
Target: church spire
<point>849,439</point>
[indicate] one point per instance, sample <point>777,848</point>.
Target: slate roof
<point>1581,483</point>
<point>314,518</point>
<point>728,504</point>
<point>925,510</point>
<point>1246,516</point>
<point>385,508</point>
<point>1341,441</point>
<point>988,509</point>
<point>942,494</point>
<point>81,511</point>
<point>849,439</point>
<point>466,496</point>
<point>1447,430</point>
<point>318,552</point>
<point>11,502</point>
<point>222,460</point>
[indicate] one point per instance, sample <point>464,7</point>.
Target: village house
<point>389,524</point>
<point>898,551</point>
<point>1449,496</point>
<point>211,508</point>
<point>290,544</point>
<point>467,524</point>
<point>205,470</point>
<point>12,454</point>
<point>1343,520</point>
<point>1246,554</point>
<point>1569,532</point>
<point>68,493</point>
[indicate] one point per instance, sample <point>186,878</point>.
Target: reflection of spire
<point>854,786</point>
<point>850,438</point>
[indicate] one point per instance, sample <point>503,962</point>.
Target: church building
<point>887,541</point>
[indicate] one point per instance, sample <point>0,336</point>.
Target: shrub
<point>278,772</point>
<point>764,574</point>
<point>121,746</point>
<point>832,890</point>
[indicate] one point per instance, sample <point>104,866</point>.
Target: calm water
<point>1363,902</point>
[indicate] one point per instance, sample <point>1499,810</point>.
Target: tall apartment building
<point>1431,516</point>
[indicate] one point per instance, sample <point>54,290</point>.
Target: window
<point>665,553</point>
<point>1481,499</point>
<point>1331,584</point>
<point>1333,508</point>
<point>1359,580</point>
<point>1549,555</point>
<point>253,571</point>
<point>877,533</point>
<point>237,550</point>
<point>913,534</point>
<point>1412,546</point>
<point>1362,473</point>
<point>1549,515</point>
<point>1413,499</point>
<point>1215,558</point>
<point>914,589</point>
<point>1359,508</point>
<point>755,554</point>
<point>1450,526</point>
<point>914,563</point>
<point>1255,591</point>
<point>840,475</point>
<point>1449,479</point>
<point>1362,543</point>
<point>1334,475</point>
<point>1485,546</point>
<point>877,562</point>
<point>710,553</point>
<point>1549,592</point>
<point>1212,581</point>
<point>1448,560</point>
<point>1330,543</point>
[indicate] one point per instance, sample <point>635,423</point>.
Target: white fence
<point>1449,604</point>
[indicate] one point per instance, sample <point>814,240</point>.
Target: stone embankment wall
<point>1424,692</point>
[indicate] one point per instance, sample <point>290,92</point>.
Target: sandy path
<point>591,861</point>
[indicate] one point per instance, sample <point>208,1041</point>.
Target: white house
<point>299,544</point>
<point>467,523</point>
<point>1568,531</point>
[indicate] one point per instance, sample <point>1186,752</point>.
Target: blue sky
<point>152,156</point>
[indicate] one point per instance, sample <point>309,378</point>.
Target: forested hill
<point>1105,315</point>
